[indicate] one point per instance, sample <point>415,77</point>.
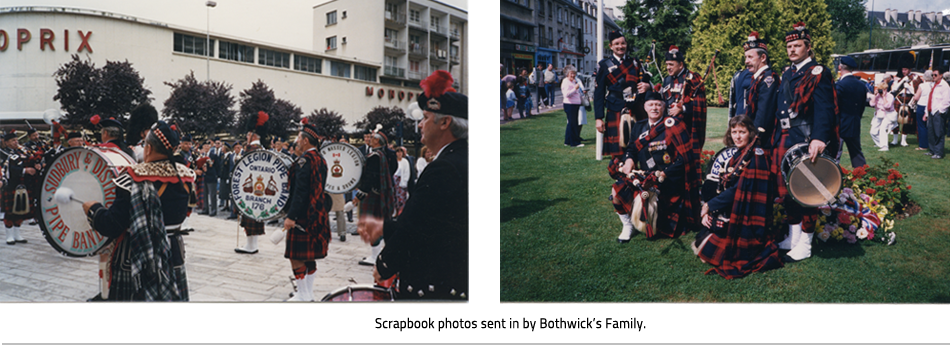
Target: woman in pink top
<point>885,116</point>
<point>570,89</point>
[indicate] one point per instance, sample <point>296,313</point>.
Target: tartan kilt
<point>739,256</point>
<point>671,217</point>
<point>777,154</point>
<point>307,246</point>
<point>7,203</point>
<point>373,205</point>
<point>622,187</point>
<point>178,265</point>
<point>200,192</point>
<point>252,227</point>
<point>612,134</point>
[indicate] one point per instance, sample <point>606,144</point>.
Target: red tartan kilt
<point>7,204</point>
<point>307,246</point>
<point>625,192</point>
<point>777,154</point>
<point>612,134</point>
<point>251,227</point>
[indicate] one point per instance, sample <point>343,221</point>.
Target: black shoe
<point>186,230</point>
<point>622,241</point>
<point>215,214</point>
<point>202,213</point>
<point>33,222</point>
<point>21,241</point>
<point>342,237</point>
<point>11,242</point>
<point>232,217</point>
<point>98,297</point>
<point>242,251</point>
<point>365,262</point>
<point>355,233</point>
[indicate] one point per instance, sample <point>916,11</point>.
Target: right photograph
<point>771,151</point>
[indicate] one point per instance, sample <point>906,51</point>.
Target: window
<point>331,18</point>
<point>339,69</point>
<point>273,58</point>
<point>364,73</point>
<point>435,23</point>
<point>307,64</point>
<point>236,52</point>
<point>391,61</point>
<point>331,43</point>
<point>414,66</point>
<point>190,44</point>
<point>391,35</point>
<point>415,16</point>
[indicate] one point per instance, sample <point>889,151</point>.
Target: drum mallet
<point>64,195</point>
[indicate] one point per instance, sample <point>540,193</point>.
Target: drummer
<point>17,173</point>
<point>111,134</point>
<point>428,245</point>
<point>257,129</point>
<point>805,114</point>
<point>140,120</point>
<point>662,147</point>
<point>736,239</point>
<point>307,223</point>
<point>148,250</point>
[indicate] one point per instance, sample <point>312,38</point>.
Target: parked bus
<point>875,63</point>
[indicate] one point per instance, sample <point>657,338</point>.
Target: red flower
<point>896,165</point>
<point>873,178</point>
<point>908,187</point>
<point>891,177</point>
<point>897,190</point>
<point>870,191</point>
<point>845,171</point>
<point>844,217</point>
<point>880,183</point>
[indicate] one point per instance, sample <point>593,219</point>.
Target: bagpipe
<point>643,213</point>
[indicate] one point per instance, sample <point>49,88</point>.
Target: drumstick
<point>64,195</point>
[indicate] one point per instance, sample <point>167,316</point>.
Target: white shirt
<point>403,172</point>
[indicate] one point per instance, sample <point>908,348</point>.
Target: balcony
<point>455,35</point>
<point>419,24</point>
<point>438,29</point>
<point>416,49</point>
<point>416,74</point>
<point>394,71</point>
<point>397,18</point>
<point>455,58</point>
<point>394,45</point>
<point>438,54</point>
<point>546,42</point>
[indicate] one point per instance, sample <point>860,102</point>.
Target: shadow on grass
<point>508,154</point>
<point>838,250</point>
<point>507,185</point>
<point>675,243</point>
<point>520,209</point>
<point>941,299</point>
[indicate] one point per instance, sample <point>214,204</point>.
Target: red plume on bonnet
<point>95,119</point>
<point>261,118</point>
<point>304,121</point>
<point>173,127</point>
<point>440,82</point>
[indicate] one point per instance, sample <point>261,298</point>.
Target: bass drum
<point>89,173</point>
<point>810,184</point>
<point>260,185</point>
<point>360,292</point>
<point>720,161</point>
<point>344,166</point>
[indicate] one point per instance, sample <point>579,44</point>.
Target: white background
<point>340,323</point>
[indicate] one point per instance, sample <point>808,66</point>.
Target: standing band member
<point>903,90</point>
<point>428,245</point>
<point>256,130</point>
<point>307,223</point>
<point>17,188</point>
<point>617,76</point>
<point>375,195</point>
<point>111,134</point>
<point>150,205</point>
<point>852,95</point>
<point>806,113</point>
<point>685,97</point>
<point>760,99</point>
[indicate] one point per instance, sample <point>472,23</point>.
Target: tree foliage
<point>666,21</point>
<point>284,115</point>
<point>390,118</point>
<point>203,108</point>
<point>848,16</point>
<point>725,24</point>
<point>328,122</point>
<point>112,91</point>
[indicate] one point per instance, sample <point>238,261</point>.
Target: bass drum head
<point>260,186</point>
<point>804,191</point>
<point>344,167</point>
<point>89,173</point>
<point>360,293</point>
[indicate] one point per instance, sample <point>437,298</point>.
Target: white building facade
<point>36,41</point>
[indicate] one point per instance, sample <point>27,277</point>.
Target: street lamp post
<point>871,24</point>
<point>209,4</point>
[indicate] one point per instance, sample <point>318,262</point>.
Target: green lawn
<point>558,235</point>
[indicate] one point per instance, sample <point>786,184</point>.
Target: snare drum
<point>344,167</point>
<point>360,292</point>
<point>260,186</point>
<point>89,173</point>
<point>810,184</point>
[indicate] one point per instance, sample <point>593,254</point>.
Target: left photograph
<point>234,151</point>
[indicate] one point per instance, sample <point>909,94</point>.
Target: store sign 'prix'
<point>47,39</point>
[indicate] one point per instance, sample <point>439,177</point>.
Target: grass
<point>558,235</point>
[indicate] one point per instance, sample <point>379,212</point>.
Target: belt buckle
<point>786,123</point>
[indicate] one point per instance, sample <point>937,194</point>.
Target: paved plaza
<point>34,271</point>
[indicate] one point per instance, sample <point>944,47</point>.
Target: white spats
<point>627,228</point>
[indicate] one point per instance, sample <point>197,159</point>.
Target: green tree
<point>329,122</point>
<point>814,13</point>
<point>284,115</point>
<point>666,21</point>
<point>390,118</point>
<point>204,108</point>
<point>848,16</point>
<point>112,91</point>
<point>725,25</point>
